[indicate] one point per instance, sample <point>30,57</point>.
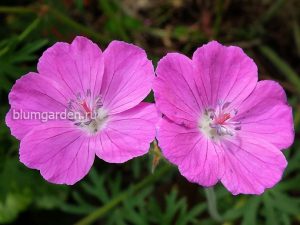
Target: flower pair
<point>217,123</point>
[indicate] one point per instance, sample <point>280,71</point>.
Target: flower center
<point>219,122</point>
<point>87,112</point>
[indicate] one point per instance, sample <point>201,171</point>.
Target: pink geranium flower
<point>220,123</point>
<point>102,90</point>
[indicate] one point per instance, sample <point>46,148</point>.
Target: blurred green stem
<point>29,29</point>
<point>23,35</point>
<point>100,212</point>
<point>212,204</point>
<point>282,66</point>
<point>63,18</point>
<point>275,7</point>
<point>296,31</point>
<point>59,16</point>
<point>16,9</point>
<point>297,119</point>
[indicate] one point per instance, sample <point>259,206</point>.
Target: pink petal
<point>61,152</point>
<point>79,65</point>
<point>197,158</point>
<point>226,73</point>
<point>265,114</point>
<point>33,93</point>
<point>251,165</point>
<point>176,92</point>
<point>19,128</point>
<point>128,134</point>
<point>127,77</point>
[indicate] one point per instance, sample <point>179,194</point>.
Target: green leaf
<point>250,212</point>
<point>286,204</point>
<point>13,205</point>
<point>271,218</point>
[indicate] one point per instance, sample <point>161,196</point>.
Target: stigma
<point>219,122</point>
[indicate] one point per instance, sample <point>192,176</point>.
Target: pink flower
<point>102,90</point>
<point>220,123</point>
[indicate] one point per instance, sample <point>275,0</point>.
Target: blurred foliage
<point>130,193</point>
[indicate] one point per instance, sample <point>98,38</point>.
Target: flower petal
<point>79,65</point>
<point>19,127</point>
<point>128,76</point>
<point>251,165</point>
<point>33,93</point>
<point>265,114</point>
<point>59,150</point>
<point>176,92</point>
<point>197,158</point>
<point>227,73</point>
<point>128,134</point>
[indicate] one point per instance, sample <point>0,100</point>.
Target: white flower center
<point>215,123</point>
<point>87,112</point>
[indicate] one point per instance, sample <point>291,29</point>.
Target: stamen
<point>87,112</point>
<point>219,122</point>
<point>225,105</point>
